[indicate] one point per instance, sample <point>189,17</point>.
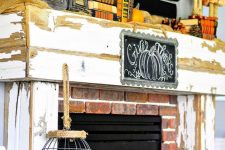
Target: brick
<point>173,99</point>
<point>112,95</point>
<point>169,123</point>
<point>75,106</point>
<point>167,111</point>
<point>144,109</point>
<point>158,98</point>
<point>98,108</point>
<point>136,97</point>
<point>168,136</point>
<point>123,109</point>
<point>60,91</point>
<point>85,93</point>
<point>171,146</point>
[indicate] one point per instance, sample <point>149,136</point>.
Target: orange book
<point>101,6</point>
<point>119,8</point>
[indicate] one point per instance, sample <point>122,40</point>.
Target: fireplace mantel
<point>36,42</point>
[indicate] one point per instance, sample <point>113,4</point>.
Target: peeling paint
<point>186,129</point>
<point>217,46</point>
<point>40,18</point>
<point>34,53</point>
<point>7,6</point>
<point>10,54</point>
<point>196,64</point>
<point>6,56</point>
<point>62,21</point>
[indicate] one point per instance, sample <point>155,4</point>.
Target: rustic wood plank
<point>45,118</point>
<point>17,116</point>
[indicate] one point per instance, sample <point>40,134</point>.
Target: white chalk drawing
<point>150,63</point>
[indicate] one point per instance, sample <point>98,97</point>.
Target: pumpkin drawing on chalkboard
<point>150,63</point>
<point>154,64</point>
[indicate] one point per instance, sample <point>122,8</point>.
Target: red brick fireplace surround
<point>100,101</point>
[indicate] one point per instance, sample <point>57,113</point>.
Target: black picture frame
<point>148,60</point>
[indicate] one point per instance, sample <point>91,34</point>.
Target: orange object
<point>137,15</point>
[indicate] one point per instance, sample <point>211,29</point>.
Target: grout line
<point>127,102</point>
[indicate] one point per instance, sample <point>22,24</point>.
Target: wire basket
<point>66,139</point>
<point>66,144</point>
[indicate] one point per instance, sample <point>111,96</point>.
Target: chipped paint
<point>34,53</point>
<point>196,122</point>
<point>62,21</point>
<point>45,118</point>
<point>186,129</point>
<point>7,56</point>
<point>208,124</point>
<point>13,54</point>
<point>10,23</point>
<point>196,64</point>
<point>7,6</point>
<point>17,95</point>
<point>40,18</point>
<point>217,46</point>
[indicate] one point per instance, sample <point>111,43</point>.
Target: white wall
<point>221,21</point>
<point>1,112</point>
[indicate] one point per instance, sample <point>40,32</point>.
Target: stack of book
<point>117,10</point>
<point>105,9</point>
<point>125,10</point>
<point>207,26</point>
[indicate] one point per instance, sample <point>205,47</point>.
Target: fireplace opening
<point>118,132</point>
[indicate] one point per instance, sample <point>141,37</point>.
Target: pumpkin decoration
<point>154,64</point>
<point>137,15</point>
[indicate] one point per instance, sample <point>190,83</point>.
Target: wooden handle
<point>66,93</point>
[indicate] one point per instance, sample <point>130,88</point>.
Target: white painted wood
<point>45,112</point>
<point>93,70</point>
<point>97,36</point>
<point>1,112</point>
<point>18,117</point>
<point>106,39</point>
<point>9,24</point>
<point>12,70</point>
<point>187,121</point>
<point>208,125</point>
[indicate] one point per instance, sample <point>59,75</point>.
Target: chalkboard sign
<point>148,60</point>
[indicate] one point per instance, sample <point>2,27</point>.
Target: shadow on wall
<point>221,21</point>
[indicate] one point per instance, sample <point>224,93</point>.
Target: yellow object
<point>217,2</point>
<point>137,16</point>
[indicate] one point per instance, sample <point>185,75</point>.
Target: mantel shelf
<point>35,42</point>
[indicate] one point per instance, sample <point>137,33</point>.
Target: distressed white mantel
<point>91,48</point>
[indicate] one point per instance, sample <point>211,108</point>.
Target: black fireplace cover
<point>119,132</point>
